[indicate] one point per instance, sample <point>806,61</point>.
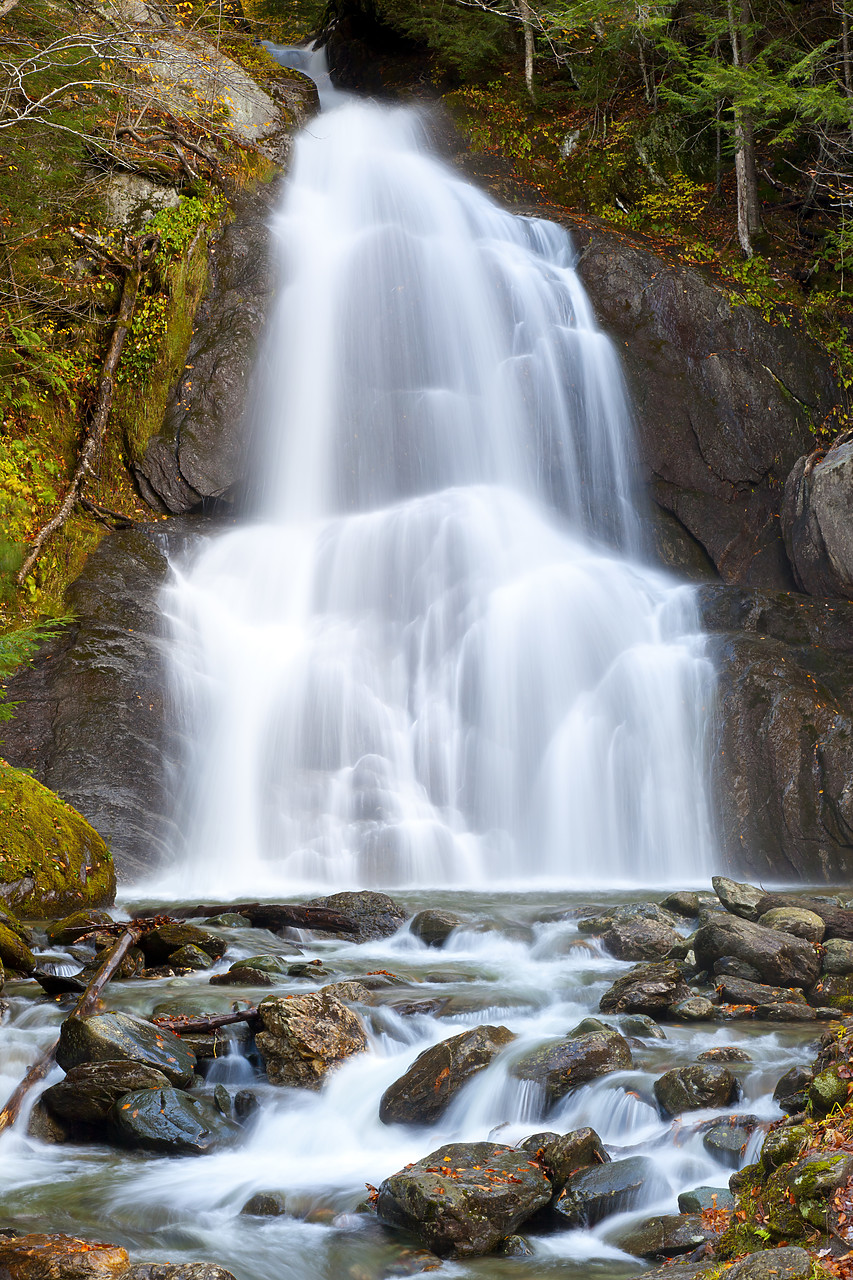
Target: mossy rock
<point>14,953</point>
<point>827,1091</point>
<point>51,860</point>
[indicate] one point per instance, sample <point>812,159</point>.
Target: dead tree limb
<point>82,1009</point>
<point>265,915</point>
<point>138,257</point>
<point>185,1026</point>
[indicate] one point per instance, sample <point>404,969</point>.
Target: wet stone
<point>376,914</point>
<point>304,1037</point>
<point>190,957</point>
<point>171,1122</point>
<point>639,939</point>
<point>837,956</point>
<point>264,1204</point>
<point>780,958</point>
<point>664,1237</point>
<point>515,1247</point>
<point>729,967</point>
<point>435,927</point>
<point>827,1091</point>
<point>725,1053</point>
<point>60,1257</point>
<point>683,903</point>
<point>160,944</point>
<point>694,1088</point>
<point>75,926</point>
<point>561,1065</point>
<point>648,988</point>
<point>789,1263</point>
<point>88,1092</point>
<point>242,975</point>
<point>794,920</point>
<point>641,1026</point>
<point>783,1145</point>
<point>740,899</point>
<point>595,1193</point>
<point>702,1198</point>
<point>736,991</point>
<point>424,1092</point>
<point>464,1199</point>
<point>791,1090</point>
<point>177,1271</point>
<point>696,1009</point>
<point>246,1105</point>
<point>565,1154</point>
<point>726,1139</point>
<point>114,1037</point>
<point>14,953</point>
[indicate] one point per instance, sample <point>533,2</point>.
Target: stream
<point>519,964</point>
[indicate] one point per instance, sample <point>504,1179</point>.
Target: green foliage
<point>17,647</point>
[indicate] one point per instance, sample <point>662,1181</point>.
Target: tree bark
<point>749,221</point>
<point>526,14</point>
<point>201,1025</point>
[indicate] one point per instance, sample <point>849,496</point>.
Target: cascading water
<point>436,657</point>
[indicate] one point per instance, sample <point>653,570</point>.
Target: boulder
<point>304,1037</point>
<point>729,967</point>
<point>160,945</point>
<point>702,1198</point>
<point>726,1139</point>
<point>14,953</point>
<point>595,1193</point>
<point>79,924</point>
<point>639,939</point>
<point>664,1237</point>
<point>641,1026</point>
<point>827,1091</point>
<point>837,957</point>
<point>88,1092</point>
<point>736,991</point>
<point>782,960</point>
<point>265,1204</point>
<point>243,975</point>
<point>376,915</point>
<point>791,1092</point>
<point>464,1199</point>
<point>740,899</point>
<point>190,957</point>
<point>58,1257</point>
<point>424,1092</point>
<point>561,1065</point>
<point>120,1037</point>
<point>811,1182</point>
<point>696,1009</point>
<point>783,1145</point>
<point>816,520</point>
<point>563,1155</point>
<point>648,988</point>
<point>171,1122</point>
<point>682,903</point>
<point>178,1271</point>
<point>694,1088</point>
<point>802,924</point>
<point>434,927</point>
<point>788,1263</point>
<point>724,1053</point>
<point>52,860</point>
<point>833,991</point>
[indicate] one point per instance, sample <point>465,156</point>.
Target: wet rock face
<point>565,1154</point>
<point>119,1037</point>
<point>464,1199</point>
<point>784,749</point>
<point>433,1080</point>
<point>648,988</point>
<point>817,521</point>
<point>376,915</point>
<point>639,939</point>
<point>562,1065</point>
<point>58,1257</point>
<point>172,1123</point>
<point>305,1037</point>
<point>200,455</point>
<point>694,1088</point>
<point>780,958</point>
<point>87,1094</point>
<point>161,944</point>
<point>595,1193</point>
<point>664,1237</point>
<point>725,402</point>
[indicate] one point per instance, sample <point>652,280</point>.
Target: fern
<point>17,648</point>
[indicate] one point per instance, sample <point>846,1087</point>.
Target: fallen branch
<point>115,519</point>
<point>264,915</point>
<point>139,253</point>
<point>182,1025</point>
<point>82,1009</point>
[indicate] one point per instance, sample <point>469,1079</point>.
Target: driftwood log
<point>265,915</point>
<point>83,1009</point>
<point>186,1026</point>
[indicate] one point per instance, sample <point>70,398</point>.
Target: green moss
<point>51,859</point>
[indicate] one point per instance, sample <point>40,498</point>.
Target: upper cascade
<point>435,657</point>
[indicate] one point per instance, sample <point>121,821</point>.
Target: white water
<point>438,658</point>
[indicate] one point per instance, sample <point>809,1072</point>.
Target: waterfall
<point>435,655</point>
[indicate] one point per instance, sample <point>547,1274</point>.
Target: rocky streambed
<point>511,1085</point>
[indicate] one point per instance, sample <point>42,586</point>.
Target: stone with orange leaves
<point>59,1257</point>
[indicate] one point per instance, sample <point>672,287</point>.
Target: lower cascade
<point>435,655</point>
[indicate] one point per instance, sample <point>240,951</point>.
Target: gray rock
<point>376,915</point>
<point>424,1092</point>
<point>160,945</point>
<point>695,1087</point>
<point>304,1037</point>
<point>729,967</point>
<point>639,939</point>
<point>802,924</point>
<point>564,1154</point>
<point>791,1092</point>
<point>683,903</point>
<point>190,957</point>
<point>265,1204</point>
<point>724,1053</point>
<point>783,1145</point>
<point>515,1247</point>
<point>62,933</point>
<point>595,1193</point>
<point>171,1122</point>
<point>833,991</point>
<point>120,1037</point>
<point>664,1237</point>
<point>696,1009</point>
<point>741,899</point>
<point>726,1140</point>
<point>464,1199</point>
<point>561,1065</point>
<point>827,1091</point>
<point>88,1092</point>
<point>648,988</point>
<point>817,517</point>
<point>780,958</point>
<point>736,991</point>
<point>837,957</point>
<point>177,1271</point>
<point>435,927</point>
<point>788,1263</point>
<point>701,1198</point>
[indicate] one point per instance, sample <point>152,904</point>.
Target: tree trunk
<point>749,221</point>
<point>526,15</point>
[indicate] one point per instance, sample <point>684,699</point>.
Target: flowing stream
<point>436,662</point>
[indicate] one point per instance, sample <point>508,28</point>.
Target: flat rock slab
<point>664,1237</point>
<point>119,1037</point>
<point>464,1199</point>
<point>789,1263</point>
<point>58,1257</point>
<point>170,1122</point>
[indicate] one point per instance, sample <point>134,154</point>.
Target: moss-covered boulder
<point>14,953</point>
<point>51,860</point>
